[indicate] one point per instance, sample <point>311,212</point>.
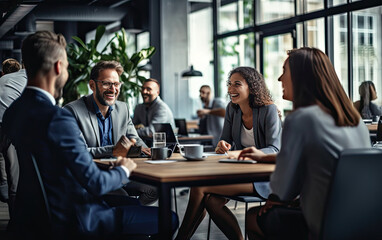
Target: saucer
<point>195,159</point>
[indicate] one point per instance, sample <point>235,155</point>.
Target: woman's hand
<point>251,153</point>
<point>222,147</point>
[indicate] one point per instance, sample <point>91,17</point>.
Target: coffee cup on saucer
<point>191,151</point>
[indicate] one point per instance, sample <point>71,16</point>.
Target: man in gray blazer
<point>105,123</point>
<point>152,110</point>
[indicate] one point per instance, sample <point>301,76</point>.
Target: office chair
<point>246,200</point>
<point>357,175</point>
<point>32,215</point>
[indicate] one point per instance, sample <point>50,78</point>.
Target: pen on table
<point>226,153</point>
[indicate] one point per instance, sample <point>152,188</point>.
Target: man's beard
<point>101,100</point>
<point>58,88</point>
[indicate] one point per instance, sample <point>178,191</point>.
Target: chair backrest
<point>181,124</point>
<point>379,130</point>
<point>32,216</point>
<point>353,208</point>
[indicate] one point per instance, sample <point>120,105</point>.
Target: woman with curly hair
<point>251,120</point>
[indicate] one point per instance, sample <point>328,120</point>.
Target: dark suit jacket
<point>84,112</point>
<point>72,180</point>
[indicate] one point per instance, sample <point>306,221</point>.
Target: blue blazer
<point>72,180</point>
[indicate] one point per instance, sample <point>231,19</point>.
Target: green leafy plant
<point>83,56</point>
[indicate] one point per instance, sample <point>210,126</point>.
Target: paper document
<point>159,161</point>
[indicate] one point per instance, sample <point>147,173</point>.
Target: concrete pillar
<point>170,33</point>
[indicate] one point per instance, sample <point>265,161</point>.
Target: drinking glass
<point>159,139</point>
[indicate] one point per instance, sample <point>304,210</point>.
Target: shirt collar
<point>98,112</point>
<point>51,98</point>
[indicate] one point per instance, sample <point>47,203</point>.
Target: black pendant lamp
<point>192,73</point>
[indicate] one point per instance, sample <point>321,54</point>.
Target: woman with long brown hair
<point>365,106</point>
<point>251,120</point>
<point>322,124</point>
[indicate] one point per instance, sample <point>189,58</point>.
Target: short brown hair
<point>315,82</point>
<point>11,65</point>
<point>102,65</point>
<point>152,80</point>
<point>41,50</point>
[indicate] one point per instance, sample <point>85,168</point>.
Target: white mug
<point>191,150</point>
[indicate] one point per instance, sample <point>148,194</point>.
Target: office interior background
<point>214,36</point>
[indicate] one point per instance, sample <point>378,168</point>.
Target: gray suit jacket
<point>157,112</point>
<point>266,128</point>
<point>84,112</point>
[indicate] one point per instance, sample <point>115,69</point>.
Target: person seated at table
<point>11,65</point>
<point>73,183</point>
<point>322,124</point>
<point>365,106</point>
<point>152,110</point>
<point>251,119</point>
<point>211,116</point>
<point>105,123</point>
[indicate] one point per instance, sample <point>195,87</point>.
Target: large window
<point>367,49</point>
<point>233,52</point>
<point>280,25</point>
<point>340,48</point>
<point>235,15</point>
<point>270,10</point>
<point>200,54</point>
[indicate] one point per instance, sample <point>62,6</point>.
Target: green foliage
<point>83,56</point>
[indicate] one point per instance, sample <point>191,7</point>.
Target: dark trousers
<point>282,222</point>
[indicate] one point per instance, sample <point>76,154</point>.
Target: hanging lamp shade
<point>192,73</point>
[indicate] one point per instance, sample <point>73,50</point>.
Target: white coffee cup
<point>191,150</point>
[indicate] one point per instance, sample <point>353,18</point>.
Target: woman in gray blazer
<point>251,120</point>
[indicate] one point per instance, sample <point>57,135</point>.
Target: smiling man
<point>105,122</point>
<point>152,110</point>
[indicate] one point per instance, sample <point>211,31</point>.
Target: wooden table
<point>193,173</point>
<point>372,127</point>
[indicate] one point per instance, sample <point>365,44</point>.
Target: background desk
<point>193,173</point>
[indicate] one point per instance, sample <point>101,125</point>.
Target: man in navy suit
<point>72,181</point>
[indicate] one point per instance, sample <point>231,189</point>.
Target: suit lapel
<point>255,124</point>
<point>237,128</point>
<point>93,117</point>
<point>115,122</point>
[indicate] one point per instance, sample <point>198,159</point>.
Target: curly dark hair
<point>259,94</point>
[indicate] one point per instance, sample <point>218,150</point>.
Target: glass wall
<point>233,52</point>
<point>367,49</point>
<point>313,28</point>
<point>200,55</point>
<point>340,49</point>
<point>270,10</point>
<point>275,52</point>
<point>235,15</point>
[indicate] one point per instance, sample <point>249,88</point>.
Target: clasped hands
<point>203,112</point>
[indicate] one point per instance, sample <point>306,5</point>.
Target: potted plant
<point>83,56</point>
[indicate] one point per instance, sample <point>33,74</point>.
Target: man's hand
<point>126,162</point>
<point>139,126</point>
<point>123,146</point>
<point>203,112</point>
<point>146,151</point>
<point>222,147</point>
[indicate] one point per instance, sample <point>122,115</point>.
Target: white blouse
<point>247,138</point>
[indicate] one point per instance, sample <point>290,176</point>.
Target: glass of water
<point>159,139</point>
